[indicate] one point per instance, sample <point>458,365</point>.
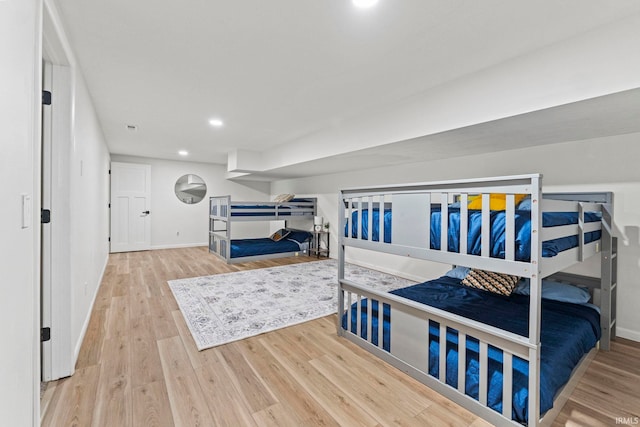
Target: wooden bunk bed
<point>417,329</point>
<point>223,212</point>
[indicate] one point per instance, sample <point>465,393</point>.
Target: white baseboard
<point>177,246</point>
<point>628,334</point>
<point>85,326</point>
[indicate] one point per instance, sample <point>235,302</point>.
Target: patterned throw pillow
<point>283,198</point>
<point>498,283</point>
<point>280,234</point>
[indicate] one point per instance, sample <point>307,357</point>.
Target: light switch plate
<point>27,210</point>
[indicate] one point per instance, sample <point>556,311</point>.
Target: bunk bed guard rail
<point>411,207</point>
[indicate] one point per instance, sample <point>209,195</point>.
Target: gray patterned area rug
<point>227,307</point>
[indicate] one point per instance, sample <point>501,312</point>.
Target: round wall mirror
<point>190,189</point>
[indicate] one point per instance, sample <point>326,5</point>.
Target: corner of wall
<point>628,334</point>
<point>85,326</point>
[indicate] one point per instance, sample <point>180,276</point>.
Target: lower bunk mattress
<point>522,242</point>
<point>568,332</point>
<point>264,246</point>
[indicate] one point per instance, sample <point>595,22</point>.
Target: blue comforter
<point>550,248</point>
<point>263,246</point>
<point>568,332</point>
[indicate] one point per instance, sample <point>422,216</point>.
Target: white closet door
<point>130,204</point>
<point>57,355</point>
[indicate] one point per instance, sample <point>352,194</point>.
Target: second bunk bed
<point>223,212</point>
<point>489,335</point>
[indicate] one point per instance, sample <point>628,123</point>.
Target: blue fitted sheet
<point>550,248</point>
<point>569,331</point>
<point>263,246</point>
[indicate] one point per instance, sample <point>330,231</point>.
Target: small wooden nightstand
<point>315,246</point>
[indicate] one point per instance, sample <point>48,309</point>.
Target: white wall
<point>598,164</point>
<point>20,86</point>
<point>89,199</point>
<point>83,185</point>
<point>176,224</point>
<point>20,77</point>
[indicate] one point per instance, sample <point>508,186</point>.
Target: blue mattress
<point>283,210</point>
<point>263,246</point>
<point>474,242</point>
<point>569,331</point>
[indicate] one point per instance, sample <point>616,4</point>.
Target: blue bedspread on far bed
<point>290,209</point>
<point>569,331</point>
<point>263,246</point>
<point>474,242</point>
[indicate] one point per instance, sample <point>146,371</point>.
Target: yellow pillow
<point>497,202</point>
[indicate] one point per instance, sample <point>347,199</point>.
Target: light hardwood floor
<point>139,366</point>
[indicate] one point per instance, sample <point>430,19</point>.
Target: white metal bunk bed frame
<point>410,326</point>
<point>221,209</point>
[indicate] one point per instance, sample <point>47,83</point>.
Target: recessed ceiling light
<point>364,3</point>
<point>183,152</point>
<point>216,123</point>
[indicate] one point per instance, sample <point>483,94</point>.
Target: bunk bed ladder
<point>535,303</point>
<point>608,279</point>
<point>341,261</point>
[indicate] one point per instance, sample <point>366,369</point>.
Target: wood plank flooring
<point>139,366</point>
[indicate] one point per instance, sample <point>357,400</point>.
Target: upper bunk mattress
<point>550,248</point>
<point>288,209</point>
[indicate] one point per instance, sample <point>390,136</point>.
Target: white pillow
<point>283,198</point>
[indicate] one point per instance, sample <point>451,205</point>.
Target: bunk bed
<point>223,212</point>
<point>510,359</point>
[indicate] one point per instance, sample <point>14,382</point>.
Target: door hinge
<point>109,205</point>
<point>109,239</point>
<point>109,171</point>
<point>45,216</point>
<point>45,334</point>
<point>46,97</point>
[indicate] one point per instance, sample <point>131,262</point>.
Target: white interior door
<point>130,203</point>
<point>57,354</point>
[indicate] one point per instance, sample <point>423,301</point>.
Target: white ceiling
<point>278,71</point>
